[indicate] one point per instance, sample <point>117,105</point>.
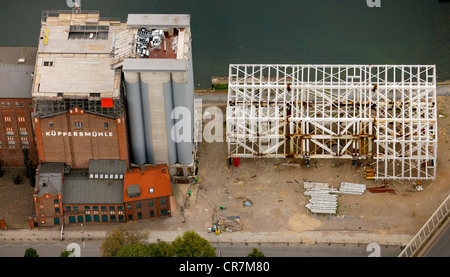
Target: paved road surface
<point>92,249</point>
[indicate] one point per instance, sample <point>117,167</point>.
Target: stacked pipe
<point>351,188</point>
<point>321,201</point>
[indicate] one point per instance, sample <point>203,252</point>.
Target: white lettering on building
<point>78,134</point>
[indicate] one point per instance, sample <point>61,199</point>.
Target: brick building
<point>48,194</point>
<point>96,195</point>
<point>65,196</point>
<point>16,108</point>
<point>148,193</point>
<point>78,97</point>
<point>75,137</point>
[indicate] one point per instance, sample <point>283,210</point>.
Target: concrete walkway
<point>291,237</point>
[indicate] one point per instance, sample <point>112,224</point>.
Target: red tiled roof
<point>156,177</point>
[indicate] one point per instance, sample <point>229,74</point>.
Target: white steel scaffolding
<point>382,112</point>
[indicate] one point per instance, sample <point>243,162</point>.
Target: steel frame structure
<point>382,112</point>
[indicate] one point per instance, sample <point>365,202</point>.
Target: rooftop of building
<point>16,69</point>
<point>151,182</point>
<point>50,179</point>
<point>74,55</point>
<point>78,188</point>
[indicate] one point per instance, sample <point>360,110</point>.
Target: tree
<point>119,238</point>
<point>66,253</point>
<point>255,253</point>
<point>31,252</point>
<point>133,250</point>
<point>161,249</point>
<point>192,244</point>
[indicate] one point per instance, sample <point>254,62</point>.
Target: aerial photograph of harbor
<point>238,131</point>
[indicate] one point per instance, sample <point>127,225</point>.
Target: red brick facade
<point>77,137</point>
<point>16,132</point>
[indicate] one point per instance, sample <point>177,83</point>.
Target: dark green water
<point>260,31</point>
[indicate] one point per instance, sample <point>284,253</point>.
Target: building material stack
<point>321,201</point>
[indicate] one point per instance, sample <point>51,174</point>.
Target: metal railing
<point>415,245</point>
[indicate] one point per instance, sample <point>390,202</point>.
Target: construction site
<point>354,148</point>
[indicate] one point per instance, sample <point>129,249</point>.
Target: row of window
<point>150,203</point>
<point>79,125</point>
<point>17,104</point>
<point>94,208</point>
<point>95,218</point>
<point>104,218</point>
<point>12,143</point>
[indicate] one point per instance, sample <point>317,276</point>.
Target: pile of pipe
<point>321,201</point>
<point>351,188</point>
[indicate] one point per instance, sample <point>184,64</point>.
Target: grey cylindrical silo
<point>147,126</point>
<point>181,98</point>
<point>136,125</point>
<point>168,105</point>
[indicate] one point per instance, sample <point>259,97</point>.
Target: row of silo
<point>151,98</point>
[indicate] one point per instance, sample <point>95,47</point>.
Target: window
<point>139,215</point>
<point>138,205</point>
<point>88,218</point>
<point>11,143</point>
<point>103,208</point>
<point>56,201</point>
<point>112,208</point>
<point>104,218</point>
<point>106,125</point>
<point>25,143</point>
<point>121,218</point>
<point>71,219</point>
<point>113,218</point>
<point>95,208</point>
<point>87,208</point>
<point>57,210</point>
<point>56,220</point>
<point>23,134</point>
<point>120,208</point>
<point>48,63</point>
<point>80,218</point>
<point>128,206</point>
<point>10,133</point>
<point>68,209</point>
<point>164,212</point>
<point>163,201</point>
<point>152,213</point>
<point>150,203</point>
<point>50,125</point>
<point>130,217</point>
<point>96,218</point>
<point>75,208</point>
<point>78,125</point>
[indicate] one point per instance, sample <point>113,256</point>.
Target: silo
<point>136,123</point>
<point>168,106</point>
<point>182,98</point>
<point>155,119</point>
<point>147,123</point>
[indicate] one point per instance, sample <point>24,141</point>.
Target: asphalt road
<point>92,249</point>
